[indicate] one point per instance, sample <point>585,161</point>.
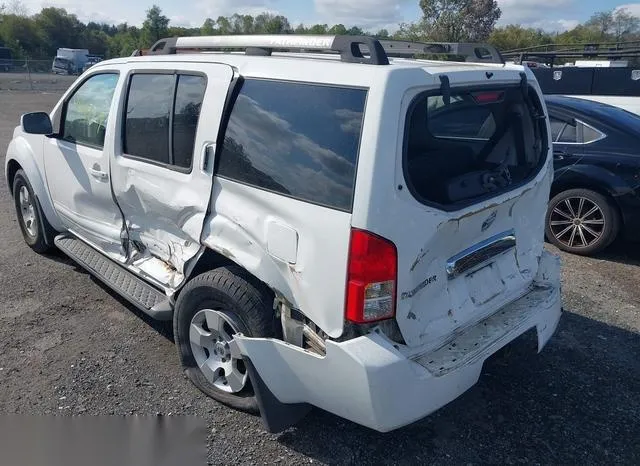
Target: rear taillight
<point>371,278</point>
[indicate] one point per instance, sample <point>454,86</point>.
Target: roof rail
<point>352,49</point>
<point>349,47</point>
<point>482,53</point>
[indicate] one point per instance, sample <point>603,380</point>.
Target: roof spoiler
<point>352,49</point>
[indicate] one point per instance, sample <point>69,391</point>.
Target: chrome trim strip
<point>480,253</point>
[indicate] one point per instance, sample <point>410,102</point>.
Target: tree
<point>624,24</point>
<point>223,25</point>
<point>515,36</point>
<point>355,31</point>
<point>267,23</point>
<point>338,30</point>
<point>15,7</point>
<point>58,29</point>
<point>208,27</point>
<point>156,26</point>
<point>459,20</point>
<point>382,34</point>
<point>318,29</point>
<point>601,22</point>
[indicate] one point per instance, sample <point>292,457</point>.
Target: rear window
<point>473,145</point>
<point>296,139</point>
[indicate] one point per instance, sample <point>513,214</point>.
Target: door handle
<point>100,175</point>
<point>207,155</point>
<point>559,155</point>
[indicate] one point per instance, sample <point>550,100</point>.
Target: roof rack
<point>549,53</point>
<point>482,53</point>
<point>352,49</point>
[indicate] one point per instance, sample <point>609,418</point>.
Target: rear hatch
<point>475,163</point>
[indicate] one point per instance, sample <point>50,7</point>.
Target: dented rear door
<point>162,169</point>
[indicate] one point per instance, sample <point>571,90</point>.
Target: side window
<point>590,134</point>
<point>189,96</point>
<point>146,133</point>
<point>87,111</point>
<point>569,134</point>
<point>556,128</point>
<point>296,139</point>
<point>162,116</point>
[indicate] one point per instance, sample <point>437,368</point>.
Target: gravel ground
<point>46,82</point>
<point>70,346</point>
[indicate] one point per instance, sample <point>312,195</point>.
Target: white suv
<point>325,225</point>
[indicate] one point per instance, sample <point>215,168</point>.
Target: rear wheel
<point>581,221</point>
<point>36,231</point>
<point>211,309</point>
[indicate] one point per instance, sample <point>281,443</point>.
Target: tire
<point>36,230</point>
<point>567,226</point>
<point>238,300</point>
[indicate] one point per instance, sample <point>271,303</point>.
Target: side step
<point>145,297</point>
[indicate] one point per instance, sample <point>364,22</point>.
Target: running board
<point>145,297</point>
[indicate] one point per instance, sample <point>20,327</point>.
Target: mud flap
<point>276,416</point>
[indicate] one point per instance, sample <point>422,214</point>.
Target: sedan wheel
<point>581,221</point>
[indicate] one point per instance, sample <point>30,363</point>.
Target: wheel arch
<point>593,178</point>
<point>20,156</point>
<point>211,259</point>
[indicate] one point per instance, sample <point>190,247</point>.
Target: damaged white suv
<point>328,221</point>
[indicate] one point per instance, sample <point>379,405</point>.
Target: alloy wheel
<point>28,212</point>
<point>577,222</point>
<point>210,333</point>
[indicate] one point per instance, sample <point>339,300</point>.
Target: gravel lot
<point>70,346</point>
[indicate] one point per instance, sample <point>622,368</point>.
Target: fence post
<point>29,74</point>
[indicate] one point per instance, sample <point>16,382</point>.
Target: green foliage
<point>458,20</point>
<point>40,35</point>
<point>155,27</point>
<point>517,37</point>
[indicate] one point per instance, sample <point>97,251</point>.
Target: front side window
<point>473,144</point>
<point>87,111</point>
<point>296,139</point>
<point>161,120</point>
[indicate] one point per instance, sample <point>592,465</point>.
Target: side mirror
<point>36,123</point>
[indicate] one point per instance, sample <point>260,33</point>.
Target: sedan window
<point>577,133</point>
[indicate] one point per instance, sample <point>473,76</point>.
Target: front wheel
<point>36,231</point>
<point>581,221</point>
<point>211,309</point>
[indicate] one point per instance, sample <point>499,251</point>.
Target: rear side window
<point>162,115</point>
<point>473,145</point>
<point>296,139</point>
<point>575,132</point>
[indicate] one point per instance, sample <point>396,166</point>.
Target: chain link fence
<point>32,75</point>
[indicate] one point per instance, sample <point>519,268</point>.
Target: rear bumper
<point>373,382</point>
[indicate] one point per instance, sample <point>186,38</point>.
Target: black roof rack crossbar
<point>352,49</point>
<point>482,53</point>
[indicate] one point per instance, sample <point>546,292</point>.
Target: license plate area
<point>484,284</point>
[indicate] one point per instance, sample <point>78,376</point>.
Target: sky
<point>551,15</point>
